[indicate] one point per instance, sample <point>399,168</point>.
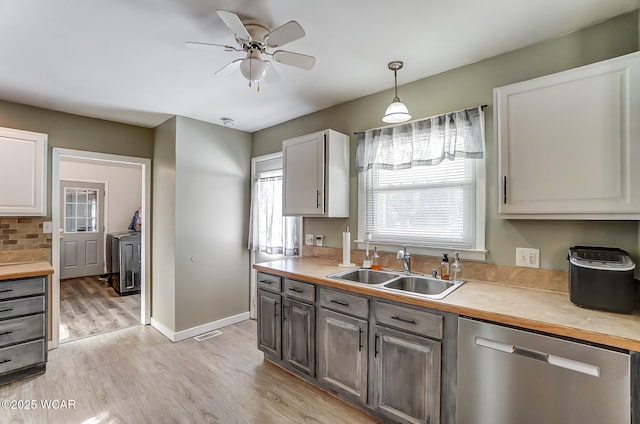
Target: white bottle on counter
<point>456,268</point>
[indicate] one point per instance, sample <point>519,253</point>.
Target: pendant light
<point>397,111</point>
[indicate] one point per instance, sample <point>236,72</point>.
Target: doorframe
<point>145,283</point>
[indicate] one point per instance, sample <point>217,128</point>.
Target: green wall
<point>469,86</point>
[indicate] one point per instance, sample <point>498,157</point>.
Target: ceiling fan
<point>255,39</point>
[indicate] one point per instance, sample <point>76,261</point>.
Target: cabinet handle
<point>5,361</point>
<point>6,310</point>
<point>284,311</point>
<point>375,346</point>
<point>296,290</point>
<point>266,281</point>
<point>275,310</point>
<point>317,199</point>
<point>504,189</point>
<point>5,333</point>
<point>337,302</point>
<point>408,321</point>
<point>6,290</point>
<point>360,340</point>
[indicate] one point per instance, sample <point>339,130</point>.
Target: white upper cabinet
<point>23,173</point>
<point>569,143</point>
<point>316,175</point>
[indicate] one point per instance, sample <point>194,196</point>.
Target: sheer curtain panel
<point>269,231</point>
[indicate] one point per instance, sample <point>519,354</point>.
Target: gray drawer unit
<point>299,290</point>
<point>22,329</point>
<point>23,287</point>
<point>269,282</point>
<point>22,355</point>
<point>408,319</point>
<point>344,302</point>
<point>24,306</point>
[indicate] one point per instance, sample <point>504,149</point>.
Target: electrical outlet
<point>319,240</point>
<point>526,257</point>
<point>308,239</point>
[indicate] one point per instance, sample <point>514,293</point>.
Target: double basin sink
<point>422,285</point>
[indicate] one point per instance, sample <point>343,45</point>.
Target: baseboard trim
<point>200,329</point>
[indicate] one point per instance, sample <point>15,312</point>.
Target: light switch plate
<point>319,240</point>
<point>47,227</point>
<point>528,257</point>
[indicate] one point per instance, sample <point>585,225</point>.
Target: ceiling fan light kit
<point>254,39</point>
<point>397,111</point>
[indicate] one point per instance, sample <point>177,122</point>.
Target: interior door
<point>82,235</point>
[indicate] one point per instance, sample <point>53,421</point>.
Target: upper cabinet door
<point>23,163</point>
<point>569,143</point>
<point>316,175</point>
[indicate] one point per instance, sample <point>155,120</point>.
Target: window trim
<point>478,253</point>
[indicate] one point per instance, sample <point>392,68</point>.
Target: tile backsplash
<point>22,240</point>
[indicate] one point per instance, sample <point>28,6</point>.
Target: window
<point>80,207</point>
<point>431,203</point>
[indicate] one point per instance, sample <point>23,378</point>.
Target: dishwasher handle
<point>555,360</point>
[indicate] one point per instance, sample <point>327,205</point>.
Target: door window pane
<point>81,208</point>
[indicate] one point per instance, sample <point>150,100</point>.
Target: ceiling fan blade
<point>284,34</point>
<point>272,75</point>
<point>229,68</point>
<point>294,59</point>
<point>199,45</point>
<point>234,23</point>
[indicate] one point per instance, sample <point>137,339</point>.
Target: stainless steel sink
<point>430,287</point>
<point>365,276</point>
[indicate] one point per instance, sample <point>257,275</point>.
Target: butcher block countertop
<point>541,310</point>
<point>24,269</point>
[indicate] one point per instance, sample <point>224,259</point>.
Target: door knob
<point>61,236</point>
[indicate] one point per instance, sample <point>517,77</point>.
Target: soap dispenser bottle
<point>456,268</point>
<point>375,263</point>
<point>444,267</point>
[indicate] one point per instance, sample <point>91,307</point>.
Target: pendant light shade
<point>397,111</point>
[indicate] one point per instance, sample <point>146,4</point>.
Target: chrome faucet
<point>406,259</point>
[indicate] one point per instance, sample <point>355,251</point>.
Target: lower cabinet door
<point>269,326</point>
<point>342,353</point>
<point>406,376</point>
<point>299,335</point>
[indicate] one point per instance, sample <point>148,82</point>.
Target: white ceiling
<point>126,60</point>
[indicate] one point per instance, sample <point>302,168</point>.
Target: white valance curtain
<point>424,142</point>
<point>269,231</point>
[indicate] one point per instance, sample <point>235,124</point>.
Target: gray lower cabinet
<point>406,376</point>
<point>23,328</point>
<point>299,335</point>
<point>299,326</point>
<point>342,353</point>
<point>269,324</point>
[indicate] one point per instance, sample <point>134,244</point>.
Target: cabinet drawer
<point>269,282</point>
<point>22,355</point>
<point>20,329</point>
<point>21,287</point>
<point>300,290</point>
<point>13,308</point>
<point>415,321</point>
<point>344,302</point>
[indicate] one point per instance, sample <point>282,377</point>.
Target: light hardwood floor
<point>89,306</point>
<point>136,375</point>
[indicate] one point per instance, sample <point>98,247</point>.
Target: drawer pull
<point>360,339</point>
<point>408,321</point>
<point>5,333</point>
<point>337,302</point>
<point>266,281</point>
<point>296,290</point>
<point>5,361</point>
<point>6,310</point>
<point>6,290</point>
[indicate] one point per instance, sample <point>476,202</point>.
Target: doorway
<point>98,283</point>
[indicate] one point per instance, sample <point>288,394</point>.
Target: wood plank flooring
<point>89,306</point>
<point>136,375</point>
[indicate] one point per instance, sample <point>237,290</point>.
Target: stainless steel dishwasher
<point>509,376</point>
